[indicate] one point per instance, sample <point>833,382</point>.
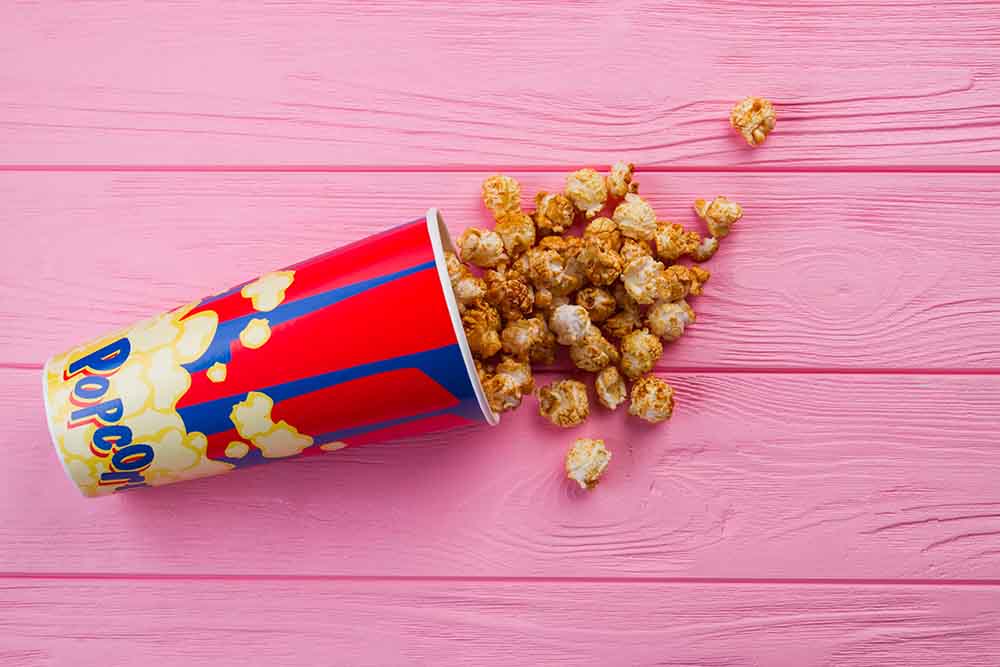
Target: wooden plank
<point>458,83</point>
<point>439,622</point>
<point>774,476</point>
<point>844,271</point>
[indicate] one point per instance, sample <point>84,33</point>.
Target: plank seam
<point>405,169</point>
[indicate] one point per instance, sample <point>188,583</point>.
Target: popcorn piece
<point>604,231</point>
<point>673,241</point>
<point>593,352</point>
<point>544,351</point>
<point>267,292</point>
<point>237,449</point>
<point>699,277</point>
<point>705,250</point>
<point>545,267</point>
<point>554,213</point>
<point>652,399</point>
<point>517,231</point>
<point>643,277</point>
<point>622,323</point>
<point>635,218</point>
<point>501,194</point>
<point>466,287</point>
<point>620,181</point>
<point>586,461</point>
<point>720,215</point>
<point>512,296</point>
<point>481,247</point>
<point>667,319</point>
<point>754,118</point>
<point>569,323</point>
<point>610,388</point>
<point>564,403</point>
<point>519,371</point>
<point>599,303</point>
<point>482,325</point>
<point>502,392</point>
<point>519,337</point>
<point>681,281</point>
<point>640,351</point>
<point>255,333</point>
<point>587,190</point>
<point>601,265</point>
<point>216,372</point>
<point>631,249</point>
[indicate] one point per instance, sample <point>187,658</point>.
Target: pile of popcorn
<point>613,295</point>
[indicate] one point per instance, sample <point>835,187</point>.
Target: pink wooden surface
<point>827,492</point>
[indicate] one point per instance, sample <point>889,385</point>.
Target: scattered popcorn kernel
<point>255,333</point>
<point>620,181</point>
<point>720,215</point>
<point>554,213</point>
<point>601,265</point>
<point>754,118</point>
<point>517,231</point>
<point>481,247</point>
<point>519,371</point>
<point>466,287</point>
<point>546,267</point>
<point>593,352</point>
<point>699,277</point>
<point>683,280</point>
<point>501,194</point>
<point>216,372</point>
<point>643,277</point>
<point>604,231</point>
<point>513,297</point>
<point>502,392</point>
<point>586,461</point>
<point>640,352</point>
<point>631,249</point>
<point>635,218</point>
<point>599,303</point>
<point>652,399</point>
<point>706,249</point>
<point>587,190</point>
<point>667,319</point>
<point>673,241</point>
<point>237,449</point>
<point>267,292</point>
<point>520,336</point>
<point>482,325</point>
<point>622,323</point>
<point>544,351</point>
<point>610,388</point>
<point>569,323</point>
<point>564,403</point>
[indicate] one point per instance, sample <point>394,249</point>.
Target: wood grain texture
<point>861,271</point>
<point>49,622</point>
<point>756,476</point>
<point>458,83</point>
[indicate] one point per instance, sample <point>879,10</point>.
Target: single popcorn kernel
<point>622,323</point>
<point>586,461</point>
<point>705,250</point>
<point>520,336</point>
<point>610,387</point>
<point>599,303</point>
<point>604,231</point>
<point>587,190</point>
<point>593,352</point>
<point>564,403</point>
<point>544,351</point>
<point>545,267</point>
<point>720,215</point>
<point>481,247</point>
<point>501,194</point>
<point>512,296</point>
<point>569,323</point>
<point>267,292</point>
<point>554,213</point>
<point>466,287</point>
<point>482,326</point>
<point>620,181</point>
<point>255,333</point>
<point>673,241</point>
<point>502,393</point>
<point>517,231</point>
<point>216,372</point>
<point>601,265</point>
<point>640,352</point>
<point>519,371</point>
<point>643,277</point>
<point>632,249</point>
<point>754,118</point>
<point>237,449</point>
<point>667,319</point>
<point>635,218</point>
<point>652,399</point>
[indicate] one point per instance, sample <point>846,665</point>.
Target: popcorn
<point>564,403</point>
<point>635,218</point>
<point>252,419</point>
<point>544,351</point>
<point>255,333</point>
<point>593,352</point>
<point>587,190</point>
<point>610,388</point>
<point>705,250</point>
<point>216,372</point>
<point>267,292</point>
<point>569,323</point>
<point>640,352</point>
<point>643,277</point>
<point>545,267</point>
<point>517,231</point>
<point>667,319</point>
<point>652,399</point>
<point>599,303</point>
<point>720,215</point>
<point>522,337</point>
<point>466,287</point>
<point>519,371</point>
<point>604,231</point>
<point>754,118</point>
<point>481,247</point>
<point>673,241</point>
<point>501,194</point>
<point>506,291</point>
<point>586,461</point>
<point>502,393</point>
<point>622,323</point>
<point>631,249</point>
<point>482,325</point>
<point>554,213</point>
<point>620,180</point>
<point>601,265</point>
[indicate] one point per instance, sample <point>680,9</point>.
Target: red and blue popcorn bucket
<point>361,344</point>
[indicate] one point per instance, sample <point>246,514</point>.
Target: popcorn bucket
<point>361,344</point>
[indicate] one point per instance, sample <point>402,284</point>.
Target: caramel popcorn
<point>586,461</point>
<point>587,190</point>
<point>667,319</point>
<point>517,231</point>
<point>520,336</point>
<point>545,267</point>
<point>569,324</point>
<point>501,194</point>
<point>554,213</point>
<point>643,277</point>
<point>505,290</point>
<point>564,403</point>
<point>754,118</point>
<point>652,399</point>
<point>466,287</point>
<point>622,323</point>
<point>593,352</point>
<point>680,281</point>
<point>720,215</point>
<point>502,393</point>
<point>544,351</point>
<point>599,303</point>
<point>610,388</point>
<point>706,249</point>
<point>481,247</point>
<point>620,181</point>
<point>519,371</point>
<point>631,249</point>
<point>635,218</point>
<point>673,241</point>
<point>640,352</point>
<point>482,326</point>
<point>604,231</point>
<point>601,266</point>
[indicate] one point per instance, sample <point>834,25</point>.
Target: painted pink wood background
<point>828,492</point>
